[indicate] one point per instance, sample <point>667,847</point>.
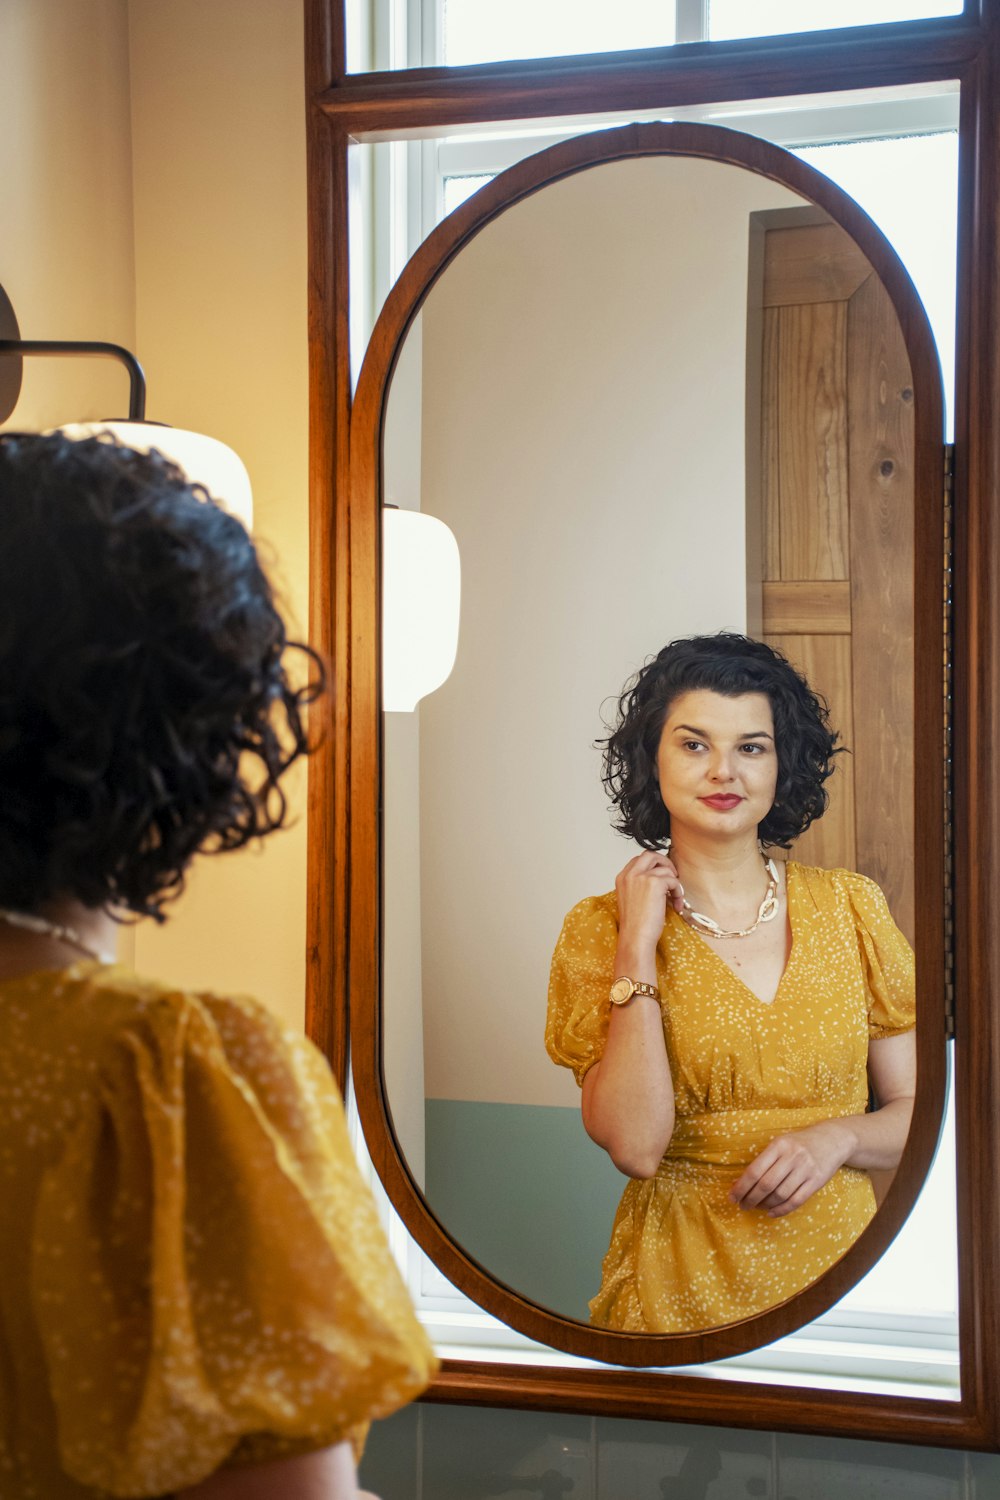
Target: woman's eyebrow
<point>751,734</point>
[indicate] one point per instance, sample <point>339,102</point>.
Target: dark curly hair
<point>728,664</point>
<point>142,674</point>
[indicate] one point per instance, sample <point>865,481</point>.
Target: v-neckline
<point>697,936</point>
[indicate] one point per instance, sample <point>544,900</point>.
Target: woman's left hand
<point>788,1171</point>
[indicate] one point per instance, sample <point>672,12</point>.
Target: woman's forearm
<point>879,1137</point>
<point>628,1098</point>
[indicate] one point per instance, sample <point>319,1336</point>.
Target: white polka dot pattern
<point>194,1273</point>
<point>682,1257</point>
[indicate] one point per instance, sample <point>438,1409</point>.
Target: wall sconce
<point>204,460</point>
<point>421,597</point>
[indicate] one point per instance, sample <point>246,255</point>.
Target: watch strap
<point>624,988</point>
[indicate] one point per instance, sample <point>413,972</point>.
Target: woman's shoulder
<point>589,931</point>
<point>594,914</point>
<point>837,879</point>
<point>595,908</point>
<point>838,888</point>
<point>111,1006</point>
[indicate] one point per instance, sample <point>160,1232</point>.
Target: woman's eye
<point>693,745</point>
<point>754,749</point>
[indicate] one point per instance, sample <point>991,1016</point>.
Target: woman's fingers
<point>765,1176</point>
<point>646,883</point>
<point>675,891</point>
<point>648,865</point>
<point>649,859</point>
<point>794,1189</point>
<point>793,1167</point>
<point>802,1194</point>
<point>646,886</point>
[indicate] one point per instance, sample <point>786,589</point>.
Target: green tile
<point>984,1476</point>
<point>675,1461</point>
<point>389,1463</point>
<point>841,1469</point>
<point>471,1453</point>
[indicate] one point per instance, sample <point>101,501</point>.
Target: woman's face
<point>717,762</point>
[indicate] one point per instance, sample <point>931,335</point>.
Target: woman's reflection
<point>752,1001</point>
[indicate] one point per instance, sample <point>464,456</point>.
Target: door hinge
<point>949,864</point>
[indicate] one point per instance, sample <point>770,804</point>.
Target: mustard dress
<point>682,1256</point>
<point>193,1271</point>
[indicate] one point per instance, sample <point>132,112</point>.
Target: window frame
<point>344,108</point>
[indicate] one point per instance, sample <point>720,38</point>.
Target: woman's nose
<point>721,769</point>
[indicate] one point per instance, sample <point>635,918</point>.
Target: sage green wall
<point>527,1193</point>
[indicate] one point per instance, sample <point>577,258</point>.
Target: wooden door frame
<point>343,108</point>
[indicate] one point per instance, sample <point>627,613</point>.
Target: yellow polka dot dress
<point>193,1271</point>
<point>682,1257</point>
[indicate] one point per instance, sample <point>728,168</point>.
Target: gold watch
<point>623,989</point>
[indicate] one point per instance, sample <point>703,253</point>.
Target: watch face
<point>621,991</point>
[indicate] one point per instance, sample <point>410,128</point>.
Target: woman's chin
<point>717,823</point>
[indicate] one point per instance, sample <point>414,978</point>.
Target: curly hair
<point>731,665</point>
<point>142,676</point>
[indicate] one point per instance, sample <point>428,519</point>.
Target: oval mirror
<point>659,381</point>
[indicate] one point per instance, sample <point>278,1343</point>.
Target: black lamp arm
<point>137,380</point>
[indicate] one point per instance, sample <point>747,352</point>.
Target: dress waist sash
<point>731,1138</point>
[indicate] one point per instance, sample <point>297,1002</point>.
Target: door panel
<point>837,518</point>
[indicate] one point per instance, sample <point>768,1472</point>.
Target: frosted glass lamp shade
<point>204,460</point>
<point>421,593</point>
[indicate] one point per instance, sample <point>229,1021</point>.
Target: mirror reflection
<point>723,1013</point>
<point>662,398</point>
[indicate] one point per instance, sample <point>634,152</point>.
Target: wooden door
<point>835,484</point>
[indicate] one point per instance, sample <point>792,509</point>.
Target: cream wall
<point>153,161</point>
<point>402,964</point>
<point>218,122</point>
<point>66,243</point>
<point>583,434</point>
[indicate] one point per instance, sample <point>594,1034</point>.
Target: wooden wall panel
<point>770,436</point>
<point>817,263</point>
<point>825,661</point>
<point>812,420</point>
<point>837,505</point>
<point>807,608</point>
<point>881,469</point>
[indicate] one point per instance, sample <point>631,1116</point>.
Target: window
<point>409,34</point>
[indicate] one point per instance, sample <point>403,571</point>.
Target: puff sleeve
<point>209,1277</point>
<point>576,1029</point>
<point>886,958</point>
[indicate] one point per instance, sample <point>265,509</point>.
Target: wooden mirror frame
<point>429,263</point>
<point>343,832</point>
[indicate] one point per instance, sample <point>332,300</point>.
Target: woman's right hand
<point>647,885</point>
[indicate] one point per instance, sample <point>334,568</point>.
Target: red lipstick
<point>721,801</point>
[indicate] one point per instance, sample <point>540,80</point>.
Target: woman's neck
<point>716,871</point>
<point>23,951</point>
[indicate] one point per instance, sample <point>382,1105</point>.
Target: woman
<point>196,1295</point>
<point>725,1012</point>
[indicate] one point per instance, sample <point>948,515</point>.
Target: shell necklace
<point>50,929</point>
<point>766,912</point>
